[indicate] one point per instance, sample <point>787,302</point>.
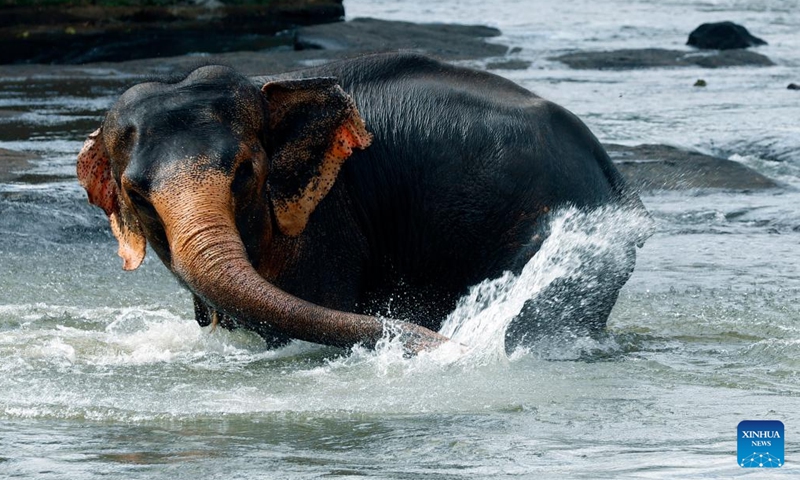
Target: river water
<point>105,373</point>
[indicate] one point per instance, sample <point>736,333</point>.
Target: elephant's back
<point>463,163</point>
<point>471,133</point>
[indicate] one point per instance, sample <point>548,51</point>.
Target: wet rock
<point>13,164</point>
<point>661,167</point>
<point>512,64</point>
<point>364,35</point>
<point>700,83</point>
<point>793,86</point>
<point>722,36</point>
<point>111,30</point>
<point>728,58</point>
<point>628,59</point>
<point>320,44</point>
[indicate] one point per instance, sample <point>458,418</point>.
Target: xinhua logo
<point>760,444</point>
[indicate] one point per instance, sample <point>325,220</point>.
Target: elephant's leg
<point>575,306</point>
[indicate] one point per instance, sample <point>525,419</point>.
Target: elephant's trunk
<point>208,254</point>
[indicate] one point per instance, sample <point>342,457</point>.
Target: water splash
<point>580,247</point>
<point>50,336</point>
<point>183,372</point>
<point>60,335</point>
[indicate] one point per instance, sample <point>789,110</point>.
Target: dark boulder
<point>13,163</point>
<point>84,31</point>
<point>627,59</point>
<point>451,41</point>
<point>793,86</point>
<point>722,36</point>
<point>662,167</point>
<point>312,45</point>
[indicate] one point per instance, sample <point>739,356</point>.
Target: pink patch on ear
<point>356,134</point>
<point>94,173</point>
<point>293,215</point>
<point>131,244</point>
<point>351,134</point>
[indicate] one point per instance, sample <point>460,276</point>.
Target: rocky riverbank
<point>719,45</point>
<point>304,46</point>
<point>662,167</point>
<point>84,31</point>
<point>648,167</point>
<point>627,59</point>
<point>14,164</point>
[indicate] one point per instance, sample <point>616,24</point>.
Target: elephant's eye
<point>243,177</point>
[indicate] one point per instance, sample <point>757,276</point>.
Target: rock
<point>512,64</point>
<point>722,36</point>
<point>700,83</point>
<point>727,58</point>
<point>13,164</point>
<point>362,35</point>
<point>321,43</point>
<point>793,86</point>
<point>627,59</point>
<point>661,167</point>
<point>77,32</point>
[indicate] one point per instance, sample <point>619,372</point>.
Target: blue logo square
<point>760,444</point>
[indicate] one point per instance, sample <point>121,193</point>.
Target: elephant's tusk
<point>214,321</point>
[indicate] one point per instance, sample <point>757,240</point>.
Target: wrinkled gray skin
<point>318,204</point>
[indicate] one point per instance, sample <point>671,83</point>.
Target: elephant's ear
<point>94,175</point>
<point>313,127</point>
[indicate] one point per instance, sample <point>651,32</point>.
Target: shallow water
<point>105,372</point>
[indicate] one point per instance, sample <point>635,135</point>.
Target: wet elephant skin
<point>330,203</point>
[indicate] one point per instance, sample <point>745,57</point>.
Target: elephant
<point>345,202</point>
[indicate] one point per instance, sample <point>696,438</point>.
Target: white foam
<point>126,336</point>
<point>113,352</point>
<point>478,324</point>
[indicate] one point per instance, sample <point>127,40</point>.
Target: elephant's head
<point>209,169</point>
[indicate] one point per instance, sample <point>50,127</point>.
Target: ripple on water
<point>150,362</point>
